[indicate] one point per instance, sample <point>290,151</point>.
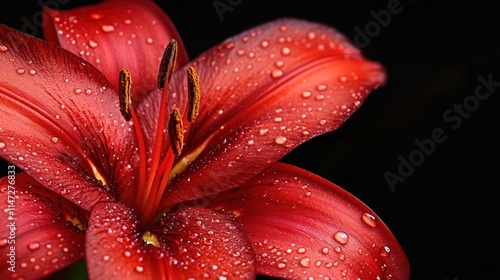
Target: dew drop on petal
<point>2,145</point>
<point>107,28</point>
<point>321,87</point>
<point>21,71</point>
<point>3,48</point>
<point>311,35</point>
<point>54,140</point>
<point>263,131</point>
<point>280,140</point>
<point>286,51</point>
<point>93,44</point>
<point>33,246</point>
<point>341,237</point>
<point>343,79</point>
<point>306,94</point>
<point>305,262</point>
<point>96,16</point>
<point>325,251</point>
<point>139,269</point>
<point>369,219</point>
<point>276,73</point>
<point>384,251</point>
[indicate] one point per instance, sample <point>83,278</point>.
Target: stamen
<point>176,131</point>
<point>124,86</point>
<point>167,63</point>
<point>151,239</point>
<point>193,94</point>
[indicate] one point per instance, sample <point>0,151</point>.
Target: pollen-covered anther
<point>176,131</point>
<point>193,93</point>
<point>167,64</point>
<point>124,87</point>
<point>151,239</point>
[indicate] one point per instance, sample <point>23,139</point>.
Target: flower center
<point>154,178</point>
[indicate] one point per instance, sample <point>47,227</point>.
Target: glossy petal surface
<point>194,243</point>
<point>47,235</point>
<point>116,34</point>
<point>62,123</point>
<point>264,92</point>
<point>304,226</point>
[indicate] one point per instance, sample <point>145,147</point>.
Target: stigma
<point>155,167</point>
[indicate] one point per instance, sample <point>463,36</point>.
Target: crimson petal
<point>303,226</point>
<point>116,34</point>
<point>264,92</point>
<point>61,121</point>
<point>47,235</point>
<point>195,243</point>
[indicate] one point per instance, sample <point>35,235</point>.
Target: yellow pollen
<point>98,175</point>
<point>76,223</point>
<point>151,239</point>
<point>176,131</point>
<point>125,85</point>
<point>167,63</point>
<point>193,93</point>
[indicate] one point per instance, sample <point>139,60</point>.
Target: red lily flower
<point>149,175</point>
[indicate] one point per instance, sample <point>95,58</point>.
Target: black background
<point>445,213</point>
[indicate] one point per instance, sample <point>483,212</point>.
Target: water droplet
<point>77,90</point>
<point>106,258</point>
<point>127,254</point>
<point>384,251</point>
<point>93,44</point>
<point>88,91</point>
<point>311,35</point>
<point>325,251</point>
<point>33,246</point>
<point>279,63</point>
<point>139,269</point>
<point>306,94</point>
<point>20,158</point>
<point>343,79</point>
<point>369,219</point>
<point>2,145</point>
<point>250,142</point>
<point>107,28</point>
<point>21,71</point>
<point>32,71</point>
<point>278,119</point>
<point>264,44</point>
<point>305,262</point>
<point>286,51</point>
<point>281,265</point>
<point>3,48</point>
<point>321,87</point>
<point>54,140</point>
<point>96,16</point>
<point>341,237</point>
<point>276,73</point>
<point>280,140</point>
<point>149,40</point>
<point>263,131</point>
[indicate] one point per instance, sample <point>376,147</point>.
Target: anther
<point>193,93</point>
<point>125,85</point>
<point>167,63</point>
<point>176,131</point>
